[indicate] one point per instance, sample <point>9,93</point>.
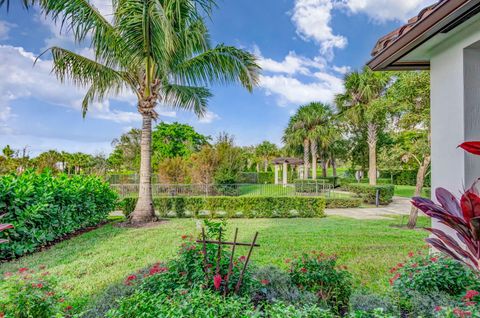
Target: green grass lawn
<point>406,191</point>
<point>86,264</point>
<point>266,189</point>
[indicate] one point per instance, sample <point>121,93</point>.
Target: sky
<point>304,47</point>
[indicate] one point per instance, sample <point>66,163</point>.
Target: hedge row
<point>368,193</point>
<point>44,208</point>
<point>342,203</point>
<point>234,207</point>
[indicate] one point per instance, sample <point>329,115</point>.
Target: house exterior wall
<point>455,108</point>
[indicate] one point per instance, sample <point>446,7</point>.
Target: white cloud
<point>208,118</point>
<point>20,79</point>
<point>5,28</point>
<point>312,19</point>
<point>291,90</point>
<point>341,69</point>
<point>291,64</point>
<point>385,10</point>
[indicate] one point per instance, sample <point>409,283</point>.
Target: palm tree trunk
<point>265,165</point>
<point>314,150</point>
<point>422,171</point>
<point>306,155</point>
<point>372,153</point>
<point>144,211</point>
<point>324,167</point>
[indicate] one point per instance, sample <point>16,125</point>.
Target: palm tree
<point>310,127</point>
<point>266,151</point>
<point>362,103</point>
<point>160,50</point>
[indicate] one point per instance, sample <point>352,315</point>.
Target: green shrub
<point>43,208</point>
<point>29,293</point>
<point>335,181</point>
<point>231,207</point>
<point>266,177</point>
<point>277,285</point>
<point>368,193</point>
<point>404,177</point>
<point>339,203</point>
<point>320,274</point>
<point>367,302</point>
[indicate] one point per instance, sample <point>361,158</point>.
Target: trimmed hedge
<point>44,208</point>
<point>234,207</point>
<point>368,193</point>
<point>339,203</point>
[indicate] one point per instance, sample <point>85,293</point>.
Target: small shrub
<point>43,208</point>
<point>230,207</point>
<point>28,293</point>
<point>183,304</point>
<point>367,302</point>
<point>320,274</point>
<point>368,193</point>
<point>339,203</point>
<point>280,309</point>
<point>277,285</point>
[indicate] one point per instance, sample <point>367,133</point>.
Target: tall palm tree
<point>160,50</point>
<point>266,151</point>
<point>363,104</point>
<point>309,126</point>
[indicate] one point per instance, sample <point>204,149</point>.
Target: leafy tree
<point>173,171</point>
<point>204,165</point>
<point>8,152</point>
<point>410,95</point>
<point>363,104</point>
<point>126,152</point>
<point>266,151</point>
<point>48,160</point>
<point>229,157</point>
<point>158,49</point>
<point>175,140</point>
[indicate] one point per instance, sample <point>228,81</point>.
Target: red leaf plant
<point>463,217</point>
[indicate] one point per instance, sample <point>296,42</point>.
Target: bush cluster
<point>32,293</point>
<point>43,208</point>
<point>368,193</point>
<point>403,177</point>
<point>339,203</point>
<point>231,207</point>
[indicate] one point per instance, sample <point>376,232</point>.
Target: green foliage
<point>31,294</point>
<point>368,302</point>
<point>277,286</point>
<point>432,274</point>
<point>230,207</point>
<point>43,208</point>
<point>175,140</point>
<point>403,177</point>
<point>320,274</point>
<point>339,203</point>
<point>368,193</point>
<point>213,228</point>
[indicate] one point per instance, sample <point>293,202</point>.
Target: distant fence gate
<point>238,189</point>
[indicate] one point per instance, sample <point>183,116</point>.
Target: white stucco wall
<point>455,107</point>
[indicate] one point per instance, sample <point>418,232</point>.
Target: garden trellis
<point>220,243</point>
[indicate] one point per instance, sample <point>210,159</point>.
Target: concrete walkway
<point>399,206</point>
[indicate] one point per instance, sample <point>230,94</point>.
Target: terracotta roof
<point>388,39</point>
<point>441,17</point>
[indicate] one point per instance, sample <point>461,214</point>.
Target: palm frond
<point>186,97</point>
<point>222,64</point>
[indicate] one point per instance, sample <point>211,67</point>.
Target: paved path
<point>399,206</point>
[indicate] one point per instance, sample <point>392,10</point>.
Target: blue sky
<point>304,47</point>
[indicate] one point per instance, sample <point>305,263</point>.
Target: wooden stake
<point>230,265</point>
<point>205,260</point>
<point>239,283</point>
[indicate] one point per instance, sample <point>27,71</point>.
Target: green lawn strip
<point>406,191</point>
<point>87,264</point>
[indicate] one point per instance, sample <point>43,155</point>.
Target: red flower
<point>217,281</point>
<point>61,300</point>
<point>39,285</point>
<point>129,279</point>
<point>414,265</point>
<point>22,270</point>
<point>434,259</point>
<point>265,281</point>
<point>242,258</point>
<point>470,303</point>
<point>411,254</point>
<point>400,265</point>
<point>50,293</point>
<point>184,237</point>
<point>470,294</point>
<point>461,313</point>
<point>68,308</point>
<point>2,315</point>
<point>438,308</point>
<point>393,270</point>
<point>303,270</point>
<point>8,274</point>
<point>394,278</point>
